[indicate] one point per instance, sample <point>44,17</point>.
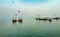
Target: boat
<point>20,20</point>
<point>37,18</point>
<point>14,20</point>
<point>50,20</point>
<point>56,18</point>
<point>44,19</point>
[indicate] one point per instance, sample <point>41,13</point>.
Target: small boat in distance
<point>20,20</point>
<point>56,18</point>
<point>14,20</point>
<point>44,19</point>
<point>37,18</point>
<point>50,20</point>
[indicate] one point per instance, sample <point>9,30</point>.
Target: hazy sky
<point>30,7</point>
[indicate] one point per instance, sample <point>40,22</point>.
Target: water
<point>29,28</point>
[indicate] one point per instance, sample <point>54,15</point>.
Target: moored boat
<point>20,20</point>
<point>14,20</point>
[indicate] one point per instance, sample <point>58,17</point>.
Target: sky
<point>30,7</point>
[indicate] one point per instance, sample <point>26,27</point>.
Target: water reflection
<point>17,26</point>
<point>32,27</point>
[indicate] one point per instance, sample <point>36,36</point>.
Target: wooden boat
<point>14,20</point>
<point>37,18</point>
<point>44,19</point>
<point>20,20</point>
<point>50,20</point>
<point>56,18</point>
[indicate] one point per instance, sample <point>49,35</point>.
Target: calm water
<point>29,28</point>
